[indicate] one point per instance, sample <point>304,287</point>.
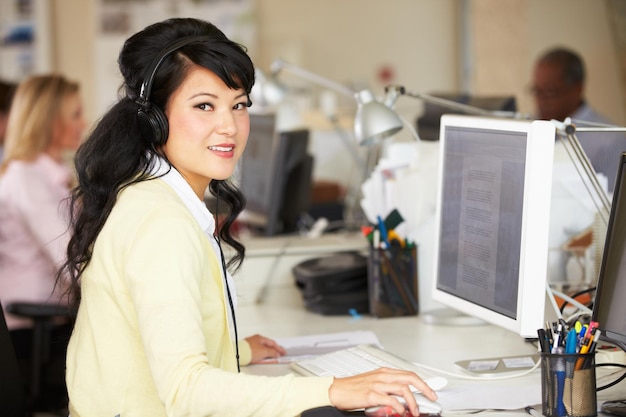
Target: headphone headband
<point>146,86</point>
<point>152,121</point>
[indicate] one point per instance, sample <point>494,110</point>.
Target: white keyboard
<point>341,363</point>
<point>356,360</point>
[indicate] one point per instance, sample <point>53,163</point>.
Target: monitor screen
<point>275,176</point>
<point>609,307</point>
<point>492,219</point>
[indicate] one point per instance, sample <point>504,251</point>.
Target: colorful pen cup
<point>392,281</point>
<point>568,385</point>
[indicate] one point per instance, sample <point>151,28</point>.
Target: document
<point>312,345</point>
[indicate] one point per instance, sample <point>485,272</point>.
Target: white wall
<point>507,37</point>
<point>420,40</point>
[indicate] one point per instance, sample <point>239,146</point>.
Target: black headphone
<point>152,120</point>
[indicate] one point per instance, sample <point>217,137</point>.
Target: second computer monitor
<point>275,176</point>
<point>493,214</point>
<point>609,307</point>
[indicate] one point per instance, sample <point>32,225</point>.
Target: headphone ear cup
<point>153,124</point>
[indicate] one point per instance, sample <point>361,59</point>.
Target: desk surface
<point>282,314</point>
<point>296,244</point>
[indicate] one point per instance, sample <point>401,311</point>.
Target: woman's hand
<point>263,348</point>
<point>376,388</point>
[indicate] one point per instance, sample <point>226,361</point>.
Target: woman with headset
<point>156,332</point>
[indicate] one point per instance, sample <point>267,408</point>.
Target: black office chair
<point>12,397</point>
<point>44,393</point>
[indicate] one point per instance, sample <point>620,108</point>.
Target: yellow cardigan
<point>152,338</point>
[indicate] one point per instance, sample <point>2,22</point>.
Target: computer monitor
<point>609,307</point>
<point>492,219</point>
<point>275,176</point>
<point>428,123</point>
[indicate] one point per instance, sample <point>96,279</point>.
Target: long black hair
<point>118,153</point>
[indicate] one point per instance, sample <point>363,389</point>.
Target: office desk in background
<point>269,260</point>
<point>282,314</point>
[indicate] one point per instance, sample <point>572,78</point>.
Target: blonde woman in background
<point>45,122</point>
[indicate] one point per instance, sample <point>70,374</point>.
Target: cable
<point>575,295</point>
<point>571,301</point>
<point>617,381</point>
<point>224,271</point>
<point>481,378</point>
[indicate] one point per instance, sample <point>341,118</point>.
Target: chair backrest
<point>12,396</point>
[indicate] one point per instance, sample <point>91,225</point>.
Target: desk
<point>282,314</point>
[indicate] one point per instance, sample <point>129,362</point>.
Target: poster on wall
<point>118,19</point>
<point>17,39</point>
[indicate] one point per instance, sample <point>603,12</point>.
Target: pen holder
<point>392,282</point>
<point>568,385</point>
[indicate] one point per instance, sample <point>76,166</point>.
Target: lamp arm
<point>567,130</point>
<point>280,65</point>
<point>453,105</point>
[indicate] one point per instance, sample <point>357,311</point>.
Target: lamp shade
<point>374,121</point>
<point>266,90</point>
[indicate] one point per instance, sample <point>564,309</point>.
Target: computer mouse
<point>436,383</point>
<point>425,405</point>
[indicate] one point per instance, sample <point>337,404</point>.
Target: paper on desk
<point>317,344</point>
<point>509,394</point>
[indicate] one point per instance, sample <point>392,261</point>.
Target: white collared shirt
<point>202,215</point>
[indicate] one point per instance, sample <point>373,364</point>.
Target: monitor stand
<point>500,366</point>
<point>450,317</point>
<point>484,367</point>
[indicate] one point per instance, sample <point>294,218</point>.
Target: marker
<point>570,342</point>
<point>570,349</point>
<point>383,231</point>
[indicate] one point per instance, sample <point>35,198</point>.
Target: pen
<point>544,343</point>
<point>596,335</point>
<point>549,335</point>
<point>557,338</point>
<point>559,375</point>
<point>585,348</point>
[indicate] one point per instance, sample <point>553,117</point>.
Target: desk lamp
<point>566,130</point>
<point>373,121</point>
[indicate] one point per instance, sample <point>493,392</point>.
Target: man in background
<point>6,95</point>
<point>558,88</point>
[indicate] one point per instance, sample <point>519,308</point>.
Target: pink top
<point>33,231</point>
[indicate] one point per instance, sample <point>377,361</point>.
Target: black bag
<point>335,284</point>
